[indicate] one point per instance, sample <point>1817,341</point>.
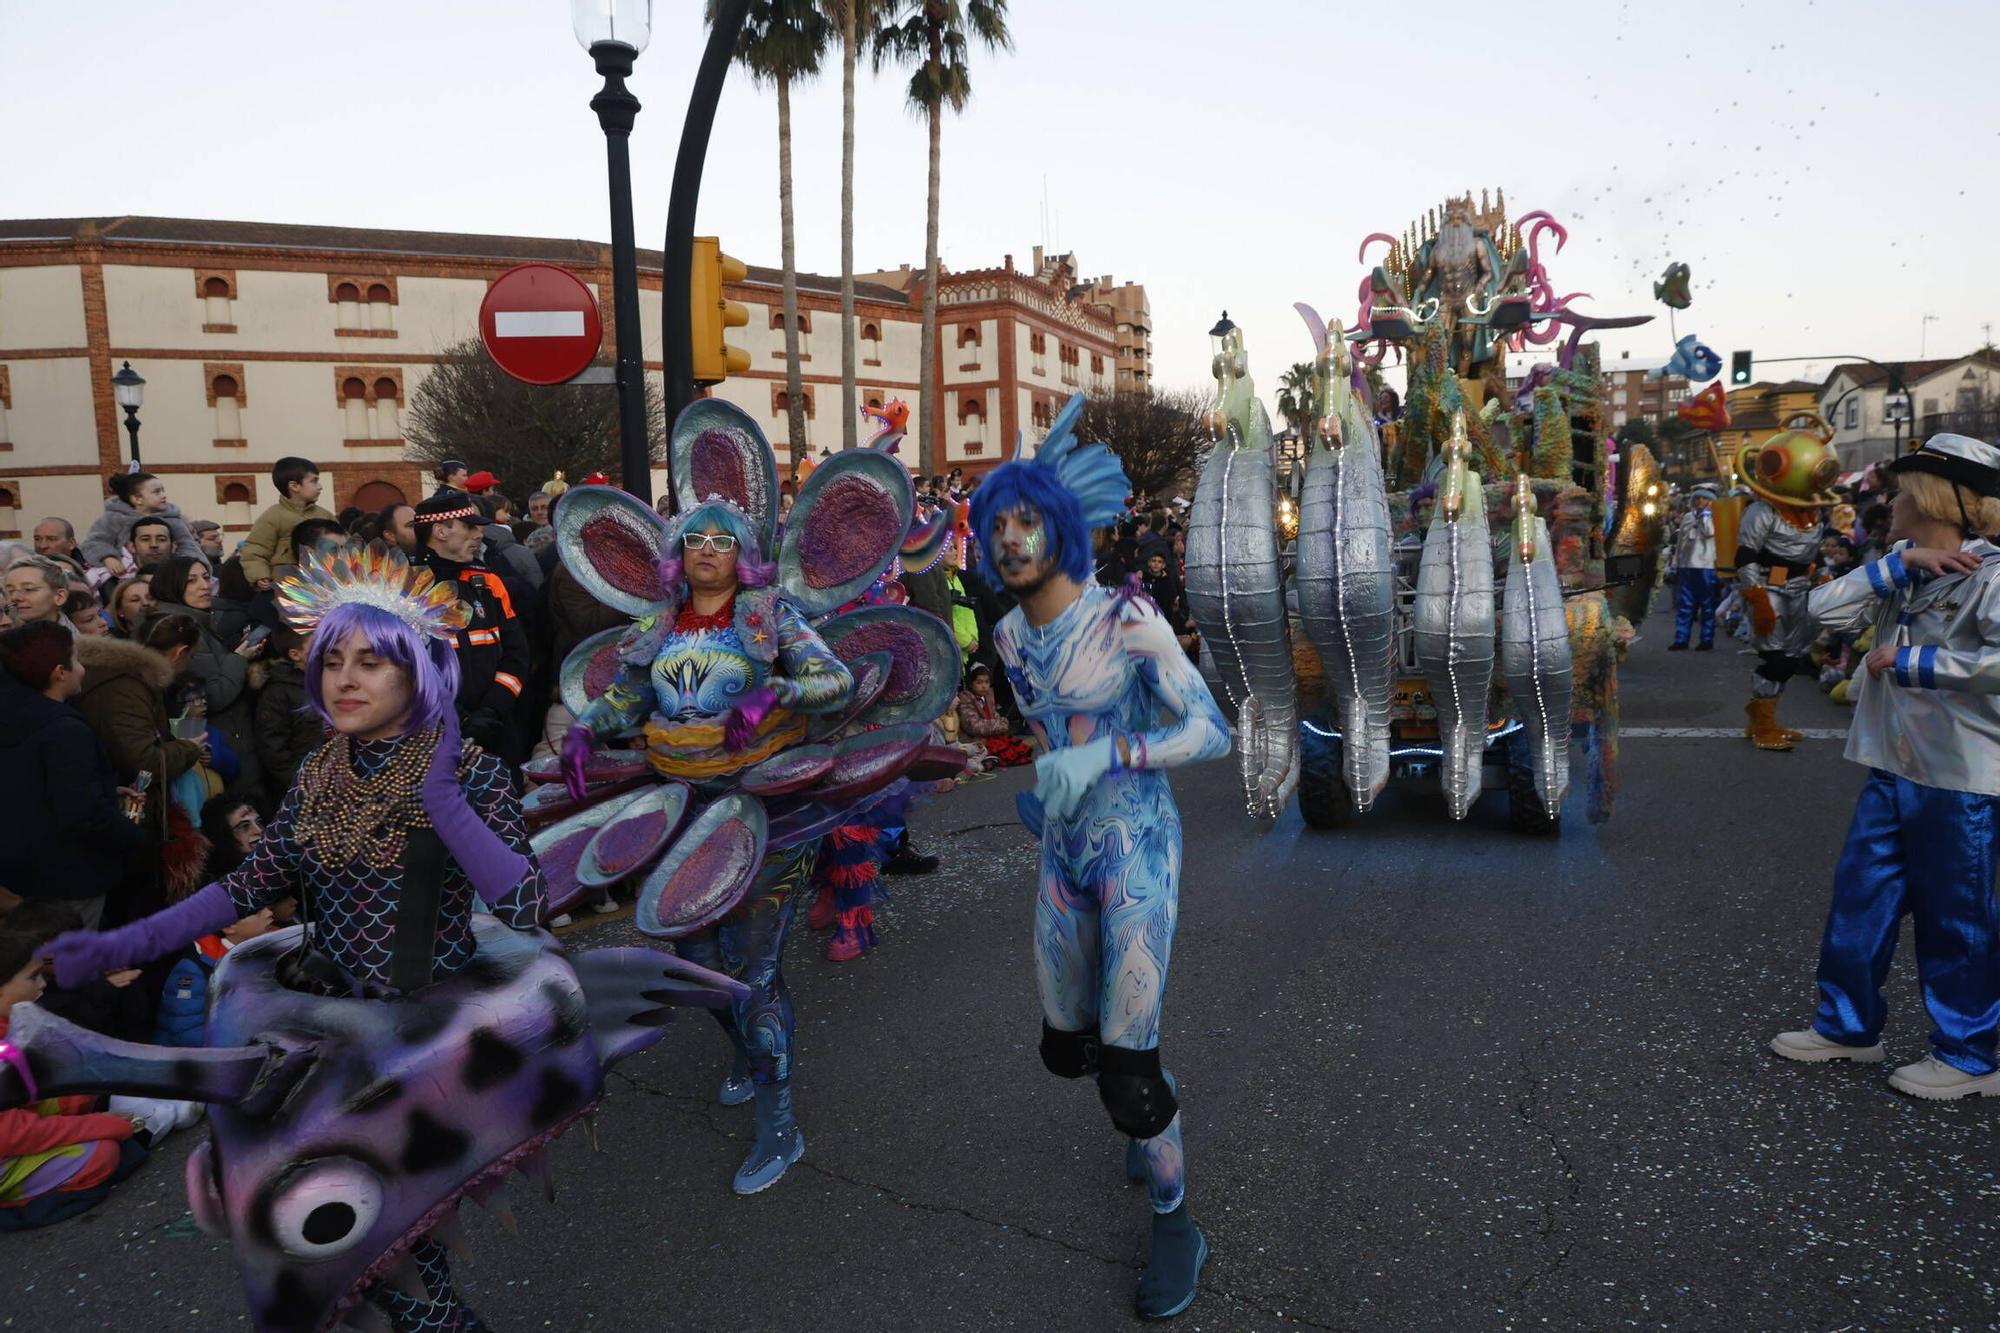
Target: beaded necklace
<point>345,815</point>
<point>691,622</point>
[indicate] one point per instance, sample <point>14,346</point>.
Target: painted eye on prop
<point>325,1207</point>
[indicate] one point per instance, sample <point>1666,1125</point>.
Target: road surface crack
<point>1533,1084</point>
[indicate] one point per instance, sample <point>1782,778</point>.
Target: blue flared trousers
<point>1696,594</point>
<point>1931,853</point>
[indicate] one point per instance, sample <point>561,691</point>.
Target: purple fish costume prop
<point>721,700</point>
<point>401,1050</point>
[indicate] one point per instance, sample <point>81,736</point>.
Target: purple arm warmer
<point>741,726</point>
<point>575,759</point>
<point>83,955</point>
<point>493,867</point>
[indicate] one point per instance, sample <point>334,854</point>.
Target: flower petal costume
<point>720,702</point>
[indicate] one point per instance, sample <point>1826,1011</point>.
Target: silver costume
<point>1764,543</point>
<point>1935,718</point>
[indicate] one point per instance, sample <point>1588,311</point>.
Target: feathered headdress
<point>381,579</point>
<point>1090,472</point>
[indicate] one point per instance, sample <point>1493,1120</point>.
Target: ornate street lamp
<point>615,32</point>
<point>128,387</point>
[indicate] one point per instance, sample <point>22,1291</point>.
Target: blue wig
<point>752,569</point>
<point>430,663</point>
<point>1033,486</point>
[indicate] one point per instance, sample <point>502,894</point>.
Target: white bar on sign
<point>538,323</point>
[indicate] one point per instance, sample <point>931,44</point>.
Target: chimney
<point>1010,263</point>
<point>1038,260</point>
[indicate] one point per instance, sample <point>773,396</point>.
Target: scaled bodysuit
<point>1109,889</point>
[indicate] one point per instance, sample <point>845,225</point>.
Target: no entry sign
<point>540,323</point>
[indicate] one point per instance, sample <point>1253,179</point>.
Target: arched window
<point>781,403</point>
<point>381,308</point>
<point>871,343</point>
<point>213,286</point>
<point>968,335</point>
<point>236,493</point>
<point>354,407</point>
<point>971,408</point>
<point>347,306</point>
<point>10,498</point>
<point>225,395</point>
<point>383,422</point>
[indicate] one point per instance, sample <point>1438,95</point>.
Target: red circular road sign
<point>540,323</point>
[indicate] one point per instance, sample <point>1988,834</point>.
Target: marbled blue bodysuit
<point>1109,889</point>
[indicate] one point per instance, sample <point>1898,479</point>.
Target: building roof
<point>205,232</point>
<point>1863,375</point>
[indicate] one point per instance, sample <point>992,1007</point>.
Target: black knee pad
<point>1776,666</point>
<point>1069,1054</point>
<point>1135,1092</point>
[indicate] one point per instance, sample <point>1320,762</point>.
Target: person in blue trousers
<point>1696,589</point>
<point>1925,840</point>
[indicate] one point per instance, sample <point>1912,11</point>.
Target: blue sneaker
<point>1167,1286</point>
<point>779,1140</point>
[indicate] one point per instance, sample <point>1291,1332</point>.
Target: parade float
<point>1444,606</point>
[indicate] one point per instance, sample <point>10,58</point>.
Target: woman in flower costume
<point>746,709</point>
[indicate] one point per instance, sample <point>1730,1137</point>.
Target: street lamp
<point>615,32</point>
<point>128,387</point>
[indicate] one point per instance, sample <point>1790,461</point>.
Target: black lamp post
<point>128,387</point>
<point>615,32</point>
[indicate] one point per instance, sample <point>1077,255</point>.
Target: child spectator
<point>187,708</point>
<point>59,1156</point>
<point>134,495</point>
<point>287,730</point>
<point>267,551</point>
<point>980,722</point>
<point>184,999</point>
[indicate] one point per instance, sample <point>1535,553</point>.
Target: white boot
<point>1934,1080</point>
<point>1809,1047</point>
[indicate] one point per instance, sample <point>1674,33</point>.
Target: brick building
<point>259,340</point>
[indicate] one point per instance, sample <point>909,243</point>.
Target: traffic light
<point>711,313</point>
<point>1739,367</point>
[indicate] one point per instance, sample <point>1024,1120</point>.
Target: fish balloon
<point>1672,288</point>
<point>1693,360</point>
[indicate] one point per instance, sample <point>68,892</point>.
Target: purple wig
<point>1025,484</point>
<point>752,569</point>
<point>431,664</point>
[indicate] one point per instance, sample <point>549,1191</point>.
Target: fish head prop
<point>346,1129</point>
<point>1693,360</point>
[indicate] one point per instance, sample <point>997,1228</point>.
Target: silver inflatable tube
<point>1235,589</point>
<point>1535,664</point>
<point>1454,638</point>
<point>1347,590</point>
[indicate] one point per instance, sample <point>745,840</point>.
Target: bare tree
<point>1158,436</point>
<point>468,408</point>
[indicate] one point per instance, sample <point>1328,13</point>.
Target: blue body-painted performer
<point>399,1052</point>
<point>727,673</point>
<point>1114,700</point>
<point>1925,840</point>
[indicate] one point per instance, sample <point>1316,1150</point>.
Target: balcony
<point>1980,423</point>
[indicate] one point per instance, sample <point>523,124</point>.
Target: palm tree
<point>782,42</point>
<point>1297,402</point>
<point>857,21</point>
<point>933,38</point>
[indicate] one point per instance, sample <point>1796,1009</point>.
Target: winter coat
<point>575,615</point>
<point>268,548</point>
<point>63,831</point>
<point>287,730</point>
<point>121,701</point>
<point>512,561</point>
<point>108,535</point>
<point>183,1012</point>
<point>977,717</point>
<point>225,677</point>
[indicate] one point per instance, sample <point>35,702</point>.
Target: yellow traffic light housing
<point>711,313</point>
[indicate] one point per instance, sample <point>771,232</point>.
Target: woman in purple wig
<point>390,831</point>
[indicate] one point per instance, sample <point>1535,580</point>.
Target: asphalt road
<point>1435,1077</point>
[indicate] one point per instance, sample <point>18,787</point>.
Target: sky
<point>1822,165</point>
